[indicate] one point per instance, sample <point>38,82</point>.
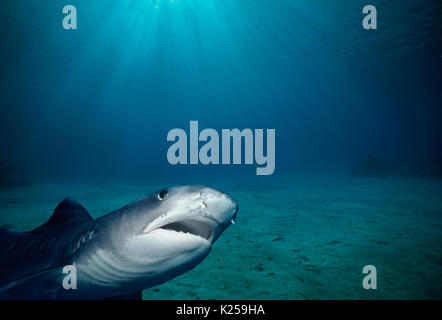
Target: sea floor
<point>293,238</point>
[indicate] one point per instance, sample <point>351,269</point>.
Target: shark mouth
<point>197,228</point>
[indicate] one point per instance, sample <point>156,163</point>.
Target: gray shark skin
<point>141,245</point>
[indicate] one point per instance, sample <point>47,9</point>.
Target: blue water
<point>91,108</point>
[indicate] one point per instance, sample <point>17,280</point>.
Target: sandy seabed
<point>293,238</point>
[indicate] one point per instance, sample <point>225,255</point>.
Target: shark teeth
<point>232,221</point>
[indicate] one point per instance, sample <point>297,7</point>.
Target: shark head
<point>195,212</point>
<point>156,238</point>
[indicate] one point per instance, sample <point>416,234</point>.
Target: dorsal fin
<point>67,214</point>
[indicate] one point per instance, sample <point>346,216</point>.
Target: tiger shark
<point>138,246</point>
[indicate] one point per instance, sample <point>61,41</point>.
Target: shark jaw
<point>205,215</point>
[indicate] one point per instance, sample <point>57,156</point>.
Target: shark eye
<point>162,194</point>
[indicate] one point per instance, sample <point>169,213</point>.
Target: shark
<point>116,256</point>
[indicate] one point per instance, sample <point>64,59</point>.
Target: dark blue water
<point>97,102</point>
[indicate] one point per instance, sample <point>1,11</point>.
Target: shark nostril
<point>204,204</point>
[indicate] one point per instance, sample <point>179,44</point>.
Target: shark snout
<point>219,206</point>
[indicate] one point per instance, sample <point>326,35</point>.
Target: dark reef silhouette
<point>370,166</point>
<point>12,175</point>
<point>373,166</point>
<point>430,168</point>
